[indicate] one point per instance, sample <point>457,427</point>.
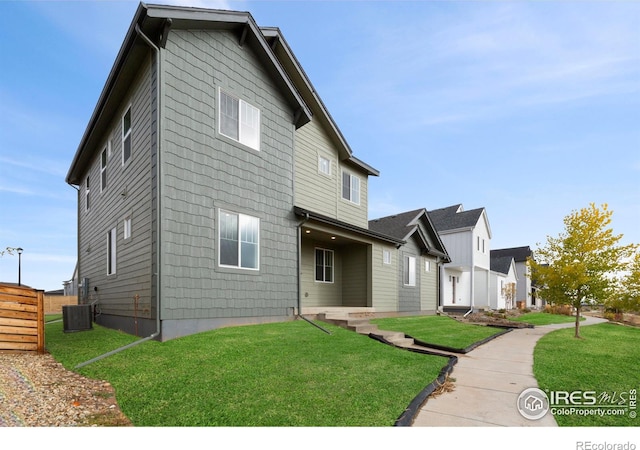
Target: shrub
<point>565,310</point>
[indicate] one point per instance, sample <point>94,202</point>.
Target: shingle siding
<point>205,172</point>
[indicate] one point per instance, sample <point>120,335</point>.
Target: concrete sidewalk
<point>488,381</point>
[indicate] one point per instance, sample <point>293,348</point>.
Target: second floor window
<point>103,170</point>
<point>86,193</point>
<point>324,165</point>
<point>239,121</point>
<point>126,136</point>
<point>351,188</point>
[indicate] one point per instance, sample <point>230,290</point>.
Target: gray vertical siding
<point>128,193</point>
<point>204,172</point>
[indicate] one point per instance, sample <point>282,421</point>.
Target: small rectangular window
<point>126,136</point>
<point>386,257</point>
<point>427,266</point>
<point>239,240</point>
<point>103,170</point>
<point>111,252</point>
<point>239,120</point>
<point>409,271</point>
<point>324,265</point>
<point>127,228</point>
<point>351,188</point>
<point>87,190</point>
<point>324,165</point>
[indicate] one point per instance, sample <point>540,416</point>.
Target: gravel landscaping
<point>37,391</point>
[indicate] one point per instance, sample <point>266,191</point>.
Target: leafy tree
<point>577,267</point>
<point>626,296</point>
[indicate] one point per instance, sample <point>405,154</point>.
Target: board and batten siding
<point>128,194</point>
<point>319,192</point>
<point>204,172</point>
<point>429,284</point>
<point>384,278</point>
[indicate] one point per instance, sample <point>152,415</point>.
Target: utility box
<point>76,318</point>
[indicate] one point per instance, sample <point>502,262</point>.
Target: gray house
<point>420,256</point>
<point>215,189</point>
<point>184,175</point>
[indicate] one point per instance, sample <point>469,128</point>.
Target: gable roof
<point>155,21</point>
<point>297,74</point>
<point>501,264</point>
<point>404,225</point>
<point>519,254</point>
<point>456,218</point>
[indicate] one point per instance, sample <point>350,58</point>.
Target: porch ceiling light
<point>333,237</point>
<point>307,231</point>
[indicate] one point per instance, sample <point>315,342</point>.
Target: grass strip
<point>541,318</point>
<point>439,330</point>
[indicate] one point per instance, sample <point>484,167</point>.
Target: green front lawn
<point>604,361</point>
<point>282,374</point>
<point>541,318</point>
<point>440,330</point>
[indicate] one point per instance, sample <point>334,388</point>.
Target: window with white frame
<point>103,170</point>
<point>324,165</point>
<point>386,257</point>
<point>87,191</point>
<point>127,228</point>
<point>239,240</point>
<point>427,265</point>
<point>324,265</point>
<point>111,251</point>
<point>126,136</point>
<point>239,120</point>
<point>350,187</point>
<point>409,271</point>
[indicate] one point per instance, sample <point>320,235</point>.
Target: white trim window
<point>111,251</point>
<point>350,187</point>
<point>324,165</point>
<point>87,191</point>
<point>386,257</point>
<point>409,276</point>
<point>427,265</point>
<point>324,265</point>
<point>238,241</point>
<point>103,170</point>
<point>127,228</point>
<point>239,120</point>
<point>126,136</point>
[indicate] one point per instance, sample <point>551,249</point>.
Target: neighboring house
<point>71,286</point>
<point>467,237</point>
<point>417,261</point>
<point>526,288</point>
<point>215,189</point>
<point>503,282</point>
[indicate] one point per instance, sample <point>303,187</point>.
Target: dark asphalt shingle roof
<point>396,225</point>
<point>501,263</point>
<point>519,254</point>
<point>448,218</point>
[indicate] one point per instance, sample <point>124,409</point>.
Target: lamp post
<point>19,250</point>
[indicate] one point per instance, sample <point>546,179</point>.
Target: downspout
<point>158,215</point>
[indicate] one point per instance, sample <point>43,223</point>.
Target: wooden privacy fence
<point>21,319</point>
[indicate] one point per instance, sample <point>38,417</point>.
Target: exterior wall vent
<point>76,318</point>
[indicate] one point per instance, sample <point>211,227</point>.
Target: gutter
<point>158,209</point>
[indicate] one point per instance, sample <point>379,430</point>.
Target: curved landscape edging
<point>458,350</point>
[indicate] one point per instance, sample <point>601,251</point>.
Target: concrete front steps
<point>363,326</point>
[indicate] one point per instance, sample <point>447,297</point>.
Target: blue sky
<point>529,109</point>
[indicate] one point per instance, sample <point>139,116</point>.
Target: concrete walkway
<point>488,381</point>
